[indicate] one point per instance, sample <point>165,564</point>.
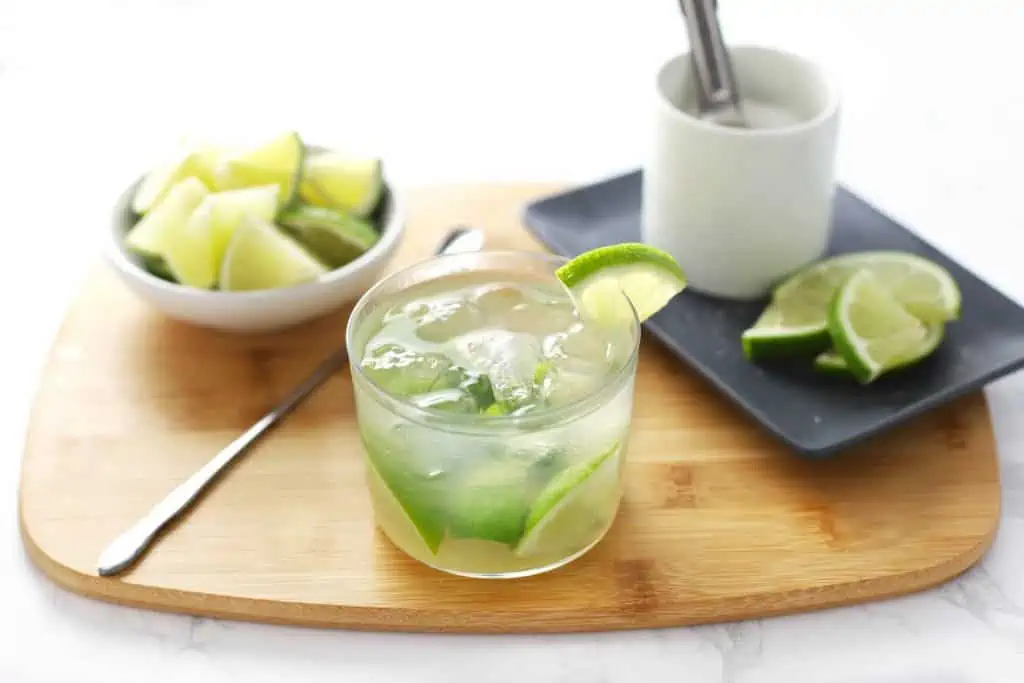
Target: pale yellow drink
<point>494,416</point>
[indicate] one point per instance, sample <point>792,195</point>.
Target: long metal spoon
<point>718,99</point>
<point>130,546</point>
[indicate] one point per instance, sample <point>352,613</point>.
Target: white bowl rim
<point>391,231</point>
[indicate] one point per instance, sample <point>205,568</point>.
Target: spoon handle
<point>127,548</point>
<point>717,94</point>
<point>132,544</point>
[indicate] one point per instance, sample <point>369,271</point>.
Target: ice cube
<point>570,381</point>
<point>496,298</point>
<point>508,359</point>
<point>472,384</point>
<point>403,372</point>
<point>581,346</point>
<point>539,319</point>
<point>449,400</point>
<point>440,319</point>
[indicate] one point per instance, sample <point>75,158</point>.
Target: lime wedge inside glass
<point>417,517</point>
<point>261,257</point>
<point>489,501</point>
<point>563,510</point>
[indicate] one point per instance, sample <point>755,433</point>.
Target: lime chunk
<point>564,509</point>
<point>199,162</point>
<point>335,237</point>
<point>832,361</point>
<point>277,162</point>
<point>158,228</point>
<point>647,276</point>
<point>407,496</point>
<point>261,257</point>
<point>489,501</point>
<point>228,208</point>
<point>796,320</point>
<point>189,250</point>
<point>340,181</point>
<point>871,329</point>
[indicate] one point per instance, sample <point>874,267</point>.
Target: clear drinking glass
<point>514,466</point>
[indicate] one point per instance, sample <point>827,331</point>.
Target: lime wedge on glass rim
<point>873,331</point>
<point>647,276</point>
<point>260,256</point>
<point>796,320</point>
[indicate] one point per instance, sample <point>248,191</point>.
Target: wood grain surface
<point>719,521</point>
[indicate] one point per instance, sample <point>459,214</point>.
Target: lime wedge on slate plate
<point>832,361</point>
<point>872,330</point>
<point>796,321</point>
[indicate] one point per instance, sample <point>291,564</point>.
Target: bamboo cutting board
<point>718,523</point>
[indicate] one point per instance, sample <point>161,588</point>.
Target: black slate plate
<point>816,415</point>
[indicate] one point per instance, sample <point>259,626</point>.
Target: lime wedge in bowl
<point>198,162</point>
<point>341,181</point>
<point>334,237</point>
<point>262,257</point>
<point>872,330</point>
<point>647,276</point>
<point>189,250</point>
<point>228,208</point>
<point>157,228</point>
<point>796,320</point>
<point>276,162</point>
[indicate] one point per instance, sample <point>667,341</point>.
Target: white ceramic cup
<point>741,208</point>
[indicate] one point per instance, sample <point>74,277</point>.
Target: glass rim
<point>475,422</point>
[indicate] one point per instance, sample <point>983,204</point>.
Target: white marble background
<point>452,90</point>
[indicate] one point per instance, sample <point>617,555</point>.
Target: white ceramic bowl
<point>255,311</point>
